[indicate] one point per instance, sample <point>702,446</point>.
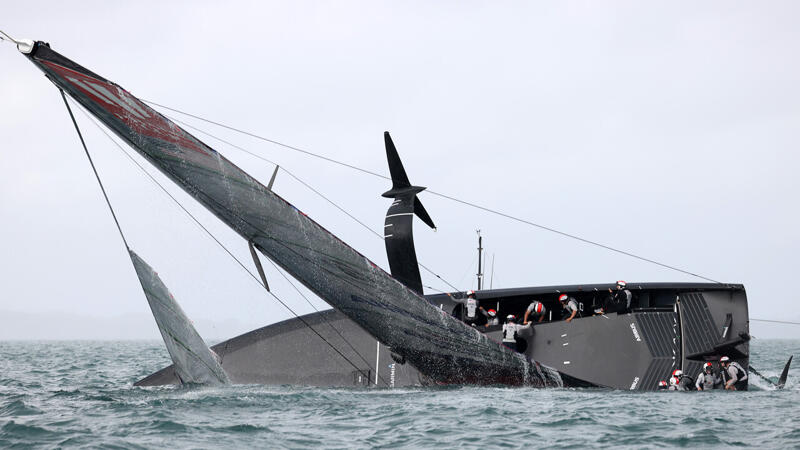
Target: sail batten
<point>441,347</point>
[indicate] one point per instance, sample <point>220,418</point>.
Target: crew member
<point>569,304</point>
<point>733,375</point>
<point>491,317</point>
<point>707,379</point>
<point>535,309</point>
<point>619,300</point>
<point>510,332</point>
<point>471,315</point>
<point>680,381</point>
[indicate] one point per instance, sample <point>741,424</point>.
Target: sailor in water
<point>680,381</point>
<point>570,305</point>
<point>707,379</point>
<point>535,310</point>
<point>733,375</point>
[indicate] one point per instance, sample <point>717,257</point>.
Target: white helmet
<point>538,307</point>
<point>677,374</point>
<point>621,283</point>
<point>470,293</point>
<point>673,381</point>
<point>511,318</point>
<point>724,360</point>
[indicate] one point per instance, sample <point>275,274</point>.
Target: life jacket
<point>706,380</point>
<point>472,308</point>
<point>510,332</point>
<point>740,372</point>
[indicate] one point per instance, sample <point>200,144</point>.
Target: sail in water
<point>193,361</point>
<point>438,345</point>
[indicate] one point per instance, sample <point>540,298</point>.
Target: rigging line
<point>572,236</point>
<point>255,155</point>
<point>220,244</point>
<point>326,320</point>
<point>94,169</point>
<point>776,321</point>
<point>271,141</point>
<point>489,210</point>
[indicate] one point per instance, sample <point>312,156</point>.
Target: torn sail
<point>438,345</point>
<point>193,361</point>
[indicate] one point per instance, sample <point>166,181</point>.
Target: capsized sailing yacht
<point>417,339</point>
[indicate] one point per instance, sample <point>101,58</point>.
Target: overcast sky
<point>667,129</point>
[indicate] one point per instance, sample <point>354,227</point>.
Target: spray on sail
<point>194,362</point>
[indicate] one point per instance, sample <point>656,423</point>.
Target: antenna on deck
<point>480,267</point>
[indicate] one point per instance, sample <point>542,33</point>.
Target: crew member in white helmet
<point>535,310</point>
<point>570,305</point>
<point>707,379</point>
<point>619,300</point>
<point>510,332</point>
<point>733,375</point>
<point>471,308</point>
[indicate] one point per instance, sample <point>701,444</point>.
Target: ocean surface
<point>80,394</point>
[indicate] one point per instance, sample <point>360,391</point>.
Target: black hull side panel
<point>621,351</point>
<point>289,353</point>
<point>715,324</point>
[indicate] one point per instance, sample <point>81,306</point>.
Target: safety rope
<point>448,197</point>
<point>211,235</point>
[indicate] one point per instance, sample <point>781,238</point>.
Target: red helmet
<point>563,297</point>
<point>538,307</point>
<point>677,373</point>
<point>621,283</point>
<point>470,293</point>
<point>707,367</point>
<point>662,383</point>
<point>492,312</point>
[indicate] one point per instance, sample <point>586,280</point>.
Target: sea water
<point>80,394</point>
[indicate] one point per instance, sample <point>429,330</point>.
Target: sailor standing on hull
<point>734,376</point>
<point>570,304</point>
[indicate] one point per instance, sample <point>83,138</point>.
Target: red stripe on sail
<point>118,102</point>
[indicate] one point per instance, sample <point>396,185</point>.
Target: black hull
<point>674,326</point>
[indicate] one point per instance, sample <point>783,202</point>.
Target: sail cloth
<point>438,345</point>
<point>194,362</point>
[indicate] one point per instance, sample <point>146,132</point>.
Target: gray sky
<point>668,130</point>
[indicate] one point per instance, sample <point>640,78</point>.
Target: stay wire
<point>94,169</point>
<point>211,235</point>
<point>473,205</point>
<point>311,188</point>
<point>777,321</point>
